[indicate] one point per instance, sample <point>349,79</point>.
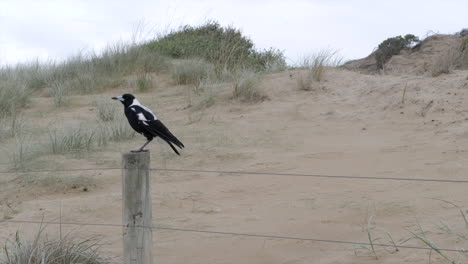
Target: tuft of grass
<point>120,130</point>
<point>12,96</point>
<point>60,93</point>
<point>41,249</point>
<point>447,62</point>
<point>207,95</point>
<point>421,236</point>
<point>191,71</point>
<point>305,80</point>
<point>247,87</point>
<point>117,130</point>
<point>143,82</point>
<point>105,110</point>
<point>203,96</point>
<point>369,236</point>
<point>70,139</point>
<point>12,126</point>
<point>23,153</point>
<point>315,66</point>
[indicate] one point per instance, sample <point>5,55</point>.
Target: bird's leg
<point>142,147</point>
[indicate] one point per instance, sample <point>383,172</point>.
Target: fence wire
<point>243,234</point>
<point>254,173</point>
<point>238,234</point>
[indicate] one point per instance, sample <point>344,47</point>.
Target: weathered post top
<point>136,160</point>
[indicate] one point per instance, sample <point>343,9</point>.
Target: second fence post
<point>137,208</point>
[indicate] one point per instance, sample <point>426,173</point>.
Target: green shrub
<point>224,47</point>
<point>393,46</point>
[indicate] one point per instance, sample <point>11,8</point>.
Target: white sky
<point>54,29</point>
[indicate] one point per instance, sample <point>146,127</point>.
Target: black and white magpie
<point>145,122</point>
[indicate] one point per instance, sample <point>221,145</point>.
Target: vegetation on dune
<point>209,48</point>
<point>80,74</point>
<point>247,87</point>
<point>41,249</point>
<point>314,67</point>
<point>224,47</point>
<point>200,57</point>
<point>192,71</point>
<point>393,46</point>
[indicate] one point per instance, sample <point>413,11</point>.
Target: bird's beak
<point>120,98</point>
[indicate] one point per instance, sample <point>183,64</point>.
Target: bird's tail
<point>173,148</point>
<point>172,139</point>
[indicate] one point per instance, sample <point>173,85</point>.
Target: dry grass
<point>83,73</point>
<point>24,152</point>
<point>12,95</point>
<point>247,87</point>
<point>191,71</point>
<point>106,109</point>
<point>446,63</point>
<point>314,67</point>
<point>143,82</point>
<point>41,250</point>
<point>117,130</point>
<point>60,92</point>
<point>203,96</point>
<point>70,139</point>
<point>12,126</point>
<point>449,61</point>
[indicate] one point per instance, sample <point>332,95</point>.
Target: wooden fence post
<point>136,208</point>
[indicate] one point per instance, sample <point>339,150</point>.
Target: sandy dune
<point>351,124</point>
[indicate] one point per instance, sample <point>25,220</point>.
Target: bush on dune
<point>224,47</point>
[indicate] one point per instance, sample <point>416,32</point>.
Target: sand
<point>351,124</point>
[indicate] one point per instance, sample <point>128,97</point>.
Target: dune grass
<point>117,130</point>
<point>144,82</point>
<point>449,61</point>
<point>41,250</point>
<point>83,73</point>
<point>314,67</point>
<point>24,152</point>
<point>70,139</point>
<point>191,71</point>
<point>247,87</point>
<point>106,109</point>
<point>12,126</point>
<point>13,94</point>
<point>204,95</point>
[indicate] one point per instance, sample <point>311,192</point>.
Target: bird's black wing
<point>148,121</point>
<point>157,128</point>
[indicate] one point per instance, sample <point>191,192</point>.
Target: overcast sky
<point>54,29</point>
